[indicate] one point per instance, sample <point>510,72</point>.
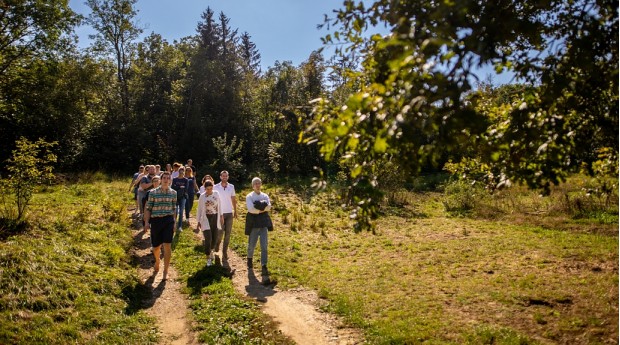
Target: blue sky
<point>283,30</point>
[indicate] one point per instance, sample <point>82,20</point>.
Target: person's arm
<point>200,211</point>
<point>250,205</point>
<point>133,182</point>
<point>147,218</point>
<point>219,210</point>
<point>268,204</point>
<point>145,185</point>
<point>147,213</point>
<point>234,203</point>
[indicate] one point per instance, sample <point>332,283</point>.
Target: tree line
<point>123,101</point>
<point>381,110</point>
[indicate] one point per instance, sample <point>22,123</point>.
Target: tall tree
<point>116,30</point>
<point>413,82</point>
<point>31,27</point>
<point>34,38</point>
<point>250,56</point>
<point>159,74</point>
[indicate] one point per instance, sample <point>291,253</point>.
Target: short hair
<point>156,177</point>
<point>165,173</point>
<point>208,183</point>
<point>223,172</point>
<point>256,180</point>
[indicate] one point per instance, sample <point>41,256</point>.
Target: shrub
<point>462,197</point>
<point>29,166</point>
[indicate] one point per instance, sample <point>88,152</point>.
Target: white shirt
<point>209,204</point>
<point>226,195</point>
<point>253,196</point>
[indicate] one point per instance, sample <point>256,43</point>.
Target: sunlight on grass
<point>428,277</point>
<point>68,279</point>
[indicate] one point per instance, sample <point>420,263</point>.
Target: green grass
<point>68,277</point>
<point>509,278</point>
<point>221,315</point>
<point>517,269</point>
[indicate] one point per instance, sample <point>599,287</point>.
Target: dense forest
<point>123,102</point>
<point>383,108</point>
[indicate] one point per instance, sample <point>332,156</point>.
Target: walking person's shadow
<point>257,289</point>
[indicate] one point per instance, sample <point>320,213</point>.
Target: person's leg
<point>139,202</point>
<point>252,239</point>
<point>189,204</point>
<point>214,232</point>
<point>156,254</point>
<point>135,197</point>
<point>181,208</point>
<point>167,256</point>
<point>206,235</point>
<point>227,229</point>
<point>263,246</point>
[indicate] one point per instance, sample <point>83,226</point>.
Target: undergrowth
<point>67,277</point>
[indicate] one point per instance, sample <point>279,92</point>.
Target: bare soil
<point>296,311</point>
<point>167,304</point>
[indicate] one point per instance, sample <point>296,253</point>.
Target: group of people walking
<point>164,197</point>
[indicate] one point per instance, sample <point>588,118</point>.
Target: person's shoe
<point>250,264</point>
<point>179,229</point>
<point>209,262</point>
<point>264,271</point>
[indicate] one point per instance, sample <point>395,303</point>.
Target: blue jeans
<point>180,210</point>
<point>254,235</point>
<point>189,204</point>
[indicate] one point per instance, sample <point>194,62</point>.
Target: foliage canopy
<point>415,100</point>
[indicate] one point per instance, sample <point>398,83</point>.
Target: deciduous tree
<point>410,106</point>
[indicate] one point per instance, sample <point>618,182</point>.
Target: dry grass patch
<point>437,279</point>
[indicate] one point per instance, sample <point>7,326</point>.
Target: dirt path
<point>296,311</point>
<point>167,304</point>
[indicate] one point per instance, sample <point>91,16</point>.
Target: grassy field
<point>515,270</point>
<point>454,268</point>
<point>69,278</point>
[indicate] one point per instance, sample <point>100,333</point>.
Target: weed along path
<point>166,303</point>
<point>296,311</point>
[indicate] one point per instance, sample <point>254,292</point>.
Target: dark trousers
<point>189,204</point>
<point>210,236</point>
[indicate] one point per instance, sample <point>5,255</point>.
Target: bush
<point>29,166</point>
<point>462,197</point>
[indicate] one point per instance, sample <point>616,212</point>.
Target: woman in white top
<point>210,219</point>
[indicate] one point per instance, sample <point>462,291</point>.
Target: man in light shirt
<point>258,204</point>
<point>229,210</point>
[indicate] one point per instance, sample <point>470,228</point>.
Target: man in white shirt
<point>258,204</point>
<point>229,210</point>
